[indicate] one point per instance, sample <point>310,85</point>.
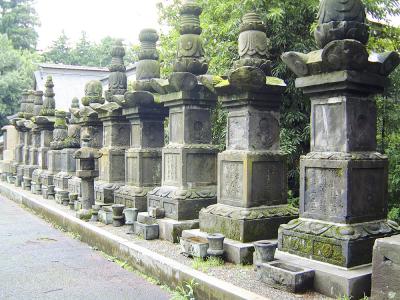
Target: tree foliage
<point>16,75</point>
<point>18,21</point>
<point>290,26</point>
<point>84,52</point>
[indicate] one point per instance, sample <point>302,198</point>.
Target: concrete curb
<point>166,270</point>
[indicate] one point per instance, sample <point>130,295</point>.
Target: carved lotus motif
<point>341,10</point>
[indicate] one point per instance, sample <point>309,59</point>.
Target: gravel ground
<point>242,276</point>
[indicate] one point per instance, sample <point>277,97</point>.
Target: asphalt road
<point>40,262</point>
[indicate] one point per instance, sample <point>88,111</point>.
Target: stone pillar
<point>344,181</point>
<point>10,138</point>
<point>252,172</point>
<point>60,133</point>
<point>21,149</point>
<point>68,163</point>
<point>44,122</point>
<point>34,149</point>
<point>146,117</point>
<point>86,171</point>
<point>189,161</point>
<point>116,131</point>
<point>90,124</point>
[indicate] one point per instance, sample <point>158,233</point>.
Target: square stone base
<point>169,230</point>
<point>386,269</point>
<point>130,197</point>
<point>104,191</point>
<point>74,185</point>
<point>345,245</point>
<point>333,281</point>
<point>235,252</point>
<point>246,224</point>
<point>181,205</point>
<point>146,231</point>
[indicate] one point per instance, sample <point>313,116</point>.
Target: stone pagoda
<point>44,123</point>
<point>23,125</point>
<point>68,163</point>
<point>10,138</point>
<point>116,133</point>
<point>189,161</point>
<point>37,97</point>
<point>86,157</point>
<point>90,125</point>
<point>252,172</point>
<point>60,133</point>
<point>143,158</point>
<point>344,181</point>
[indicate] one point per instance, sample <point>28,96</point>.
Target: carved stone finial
<point>339,20</point>
<point>148,66</point>
<point>117,81</point>
<point>49,104</point>
<point>24,98</point>
<point>29,105</point>
<point>60,131</point>
<point>253,44</point>
<point>93,93</point>
<point>38,103</point>
<point>74,129</point>
<point>190,57</point>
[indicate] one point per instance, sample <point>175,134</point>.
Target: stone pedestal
<point>343,189</point>
<point>54,166</point>
<point>33,159</point>
<point>189,162</point>
<point>116,133</point>
<point>46,136</point>
<point>61,179</point>
<point>386,269</point>
<point>143,158</point>
<point>86,171</point>
<point>10,138</point>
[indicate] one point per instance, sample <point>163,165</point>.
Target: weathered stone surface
<point>234,251</point>
<point>286,276</point>
<point>385,269</point>
<point>146,231</point>
<point>194,247</point>
<point>252,172</point>
<point>343,195</point>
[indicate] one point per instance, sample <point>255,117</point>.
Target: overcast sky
<point>99,18</point>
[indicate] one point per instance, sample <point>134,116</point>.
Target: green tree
<point>18,20</point>
<point>16,75</point>
<point>289,26</point>
<point>85,52</point>
<point>60,51</point>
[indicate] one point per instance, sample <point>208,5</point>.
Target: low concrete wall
<point>166,270</point>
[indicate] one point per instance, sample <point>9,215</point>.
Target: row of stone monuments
<point>111,150</point>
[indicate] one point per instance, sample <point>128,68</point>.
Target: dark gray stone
<point>386,269</point>
<point>146,231</point>
<point>286,276</point>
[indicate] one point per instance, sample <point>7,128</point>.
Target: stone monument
<point>116,133</point>
<point>252,172</point>
<point>189,161</point>
<point>10,138</point>
<point>44,122</point>
<point>68,163</point>
<point>143,158</point>
<point>37,97</point>
<point>91,125</point>
<point>60,133</point>
<point>86,171</point>
<point>344,181</point>
<point>18,123</point>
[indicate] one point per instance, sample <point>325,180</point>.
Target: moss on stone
<point>274,81</point>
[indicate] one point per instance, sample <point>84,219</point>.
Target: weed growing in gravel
<point>205,264</point>
<point>186,291</point>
